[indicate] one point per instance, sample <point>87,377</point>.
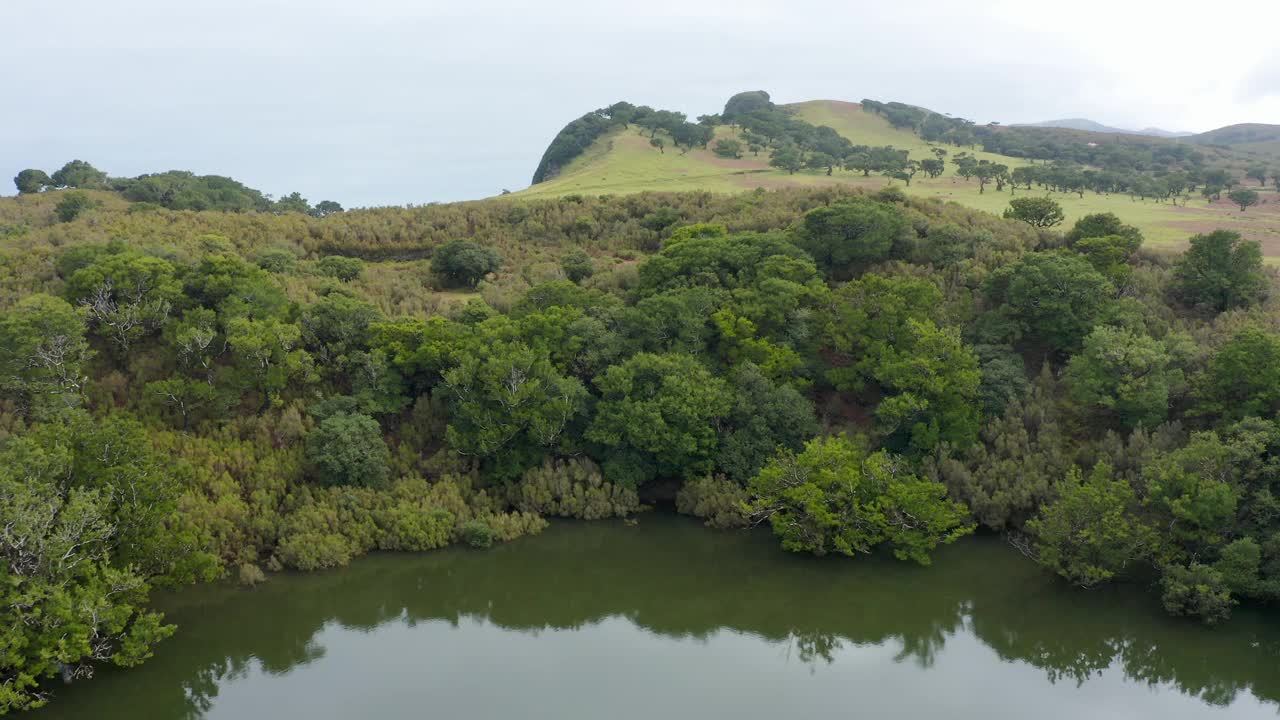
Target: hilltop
<point>1171,188</point>
<point>1093,126</point>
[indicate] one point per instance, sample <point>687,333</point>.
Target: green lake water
<point>667,619</point>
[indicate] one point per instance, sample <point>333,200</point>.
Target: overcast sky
<point>377,102</point>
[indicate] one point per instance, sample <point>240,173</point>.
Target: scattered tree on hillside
<point>1244,198</point>
<point>658,143</point>
<point>465,262</point>
<point>1041,212</point>
<point>325,208</point>
<point>1259,173</point>
<point>728,149</point>
<point>789,158</point>
<point>73,205</point>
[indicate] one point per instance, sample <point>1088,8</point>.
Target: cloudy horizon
<point>393,102</point>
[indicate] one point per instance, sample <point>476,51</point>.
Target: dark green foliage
<point>1244,197</point>
<point>465,263</point>
<point>73,205</point>
<point>577,266</point>
<point>1221,271</point>
<point>1051,300</point>
<point>846,238</point>
<point>1040,212</point>
<point>181,190</point>
<point>478,534</point>
<point>744,104</point>
<point>32,181</point>
<point>1242,378</point>
<point>79,174</point>
<point>348,449</point>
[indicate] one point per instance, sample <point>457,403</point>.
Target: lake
<point>667,619</point>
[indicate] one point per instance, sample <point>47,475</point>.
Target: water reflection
<point>678,581</point>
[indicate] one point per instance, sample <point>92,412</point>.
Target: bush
<point>721,501</point>
<point>73,205</point>
<point>478,534</point>
<point>572,488</point>
<point>1196,591</point>
<point>345,269</point>
<point>251,575</point>
<point>577,266</point>
<point>348,449</point>
<point>462,262</point>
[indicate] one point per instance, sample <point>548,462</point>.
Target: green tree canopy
<point>1221,271</point>
<point>835,497</point>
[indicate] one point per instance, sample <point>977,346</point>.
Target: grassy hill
<point>623,161</point>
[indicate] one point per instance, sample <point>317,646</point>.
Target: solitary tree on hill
<point>1244,198</point>
<point>32,181</point>
<point>1041,212</point>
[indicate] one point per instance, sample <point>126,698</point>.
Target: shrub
<point>721,501</point>
<point>478,534</point>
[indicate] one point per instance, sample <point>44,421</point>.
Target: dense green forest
<point>198,383</point>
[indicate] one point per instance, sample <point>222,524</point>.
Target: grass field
<point>624,162</point>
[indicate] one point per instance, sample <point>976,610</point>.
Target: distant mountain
<point>1241,134</point>
<point>1091,126</point>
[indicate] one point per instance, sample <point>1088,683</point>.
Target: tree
<point>32,181</point>
<point>834,497</point>
<point>1091,532</point>
<point>293,202</point>
<point>82,508</point>
<point>577,265</point>
<point>1242,378</point>
<point>1040,212</point>
<point>728,149</point>
<point>510,407</point>
<point>127,295</point>
<point>342,268</point>
<point>1110,255</point>
<point>1125,378</point>
<point>464,262</point>
<point>73,205</point>
<point>1052,299</point>
<point>744,104</point>
<point>658,143</point>
<point>267,354</point>
<point>348,449</point>
<point>933,167</point>
<point>787,157</point>
<point>1243,197</point>
<point>1259,173</point>
<point>657,416</point>
<point>325,208</point>
<point>79,174</point>
<point>1221,271</point>
<point>1100,225</point>
<point>43,351</point>
<point>846,237</point>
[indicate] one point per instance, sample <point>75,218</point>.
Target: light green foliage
<point>572,488</point>
<point>335,328</point>
<point>1052,300</point>
<point>721,501</point>
<point>348,449</point>
<point>1091,533</point>
<point>478,534</point>
<point>1221,271</point>
<point>1123,378</point>
<point>656,417</point>
<point>465,263</point>
<point>1196,488</point>
<point>43,352</point>
<point>835,497</point>
<point>1038,212</point>
<point>847,237</point>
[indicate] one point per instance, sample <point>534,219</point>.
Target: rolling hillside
<point>623,161</point>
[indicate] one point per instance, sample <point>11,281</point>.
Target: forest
<point>200,383</point>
